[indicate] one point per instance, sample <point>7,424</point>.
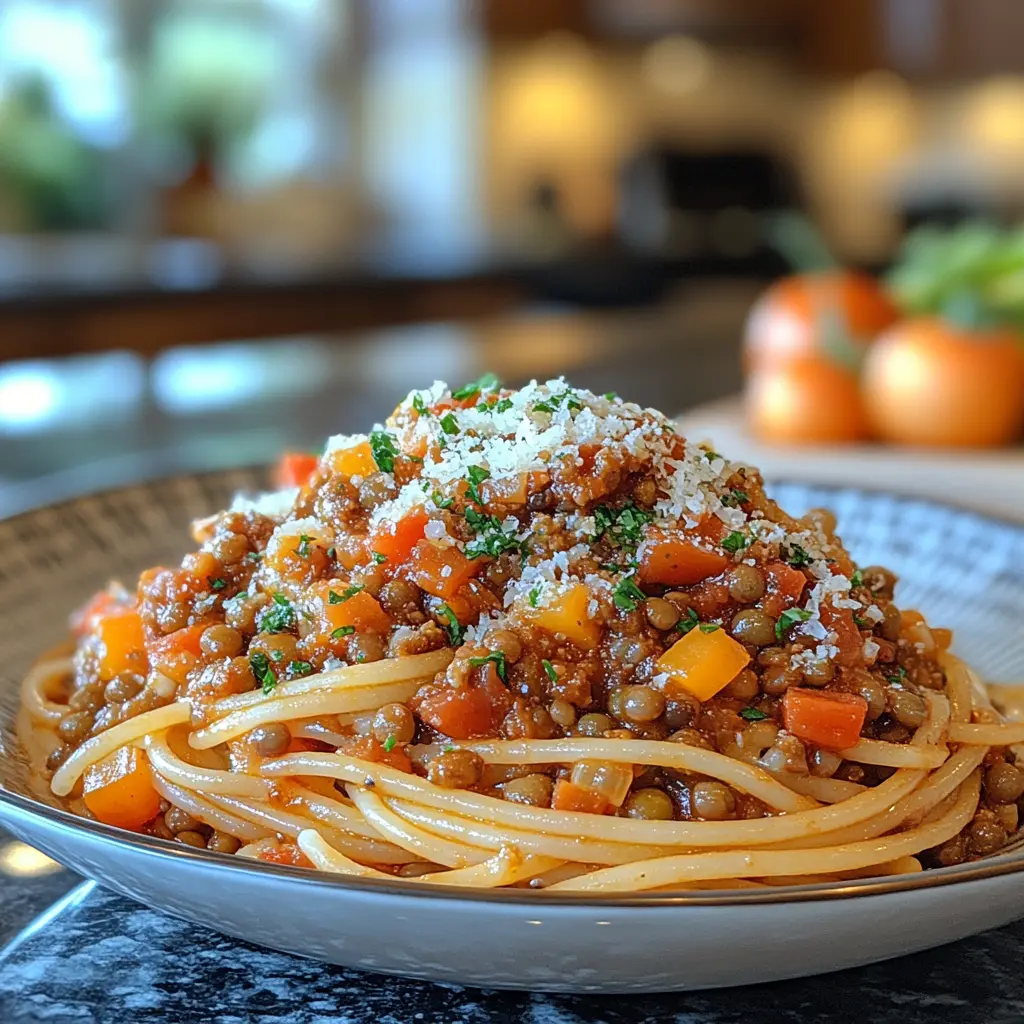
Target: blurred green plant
<point>54,179</point>
<point>971,275</point>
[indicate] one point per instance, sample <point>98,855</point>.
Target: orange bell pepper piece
<point>702,663</point>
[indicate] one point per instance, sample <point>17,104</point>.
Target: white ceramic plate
<point>959,568</point>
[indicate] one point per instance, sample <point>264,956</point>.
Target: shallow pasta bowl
<point>959,568</point>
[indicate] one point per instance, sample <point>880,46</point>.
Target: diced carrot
<point>122,644</point>
<point>119,789</point>
<point>677,562</point>
<point>568,615</point>
<point>395,541</point>
<point>466,712</point>
<point>943,638</point>
<point>911,617</point>
<point>784,580</point>
<point>285,853</point>
<point>570,797</point>
<point>176,654</point>
<point>84,620</point>
<point>294,469</point>
<point>367,748</point>
<point>298,556</point>
<point>701,663</point>
<point>441,571</point>
<point>826,718</point>
<point>339,607</point>
<point>355,461</point>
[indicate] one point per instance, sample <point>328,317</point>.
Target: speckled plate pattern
<point>960,569</point>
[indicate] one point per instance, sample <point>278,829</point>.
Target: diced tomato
<point>294,469</point>
<point>367,748</point>
<point>700,664</point>
<point>285,853</point>
<point>825,718</point>
<point>677,562</point>
<point>360,610</point>
<point>395,541</point>
<point>466,712</point>
<point>84,620</point>
<point>785,586</point>
<point>119,789</point>
<point>176,654</point>
<point>848,638</point>
<point>570,797</point>
<point>441,571</point>
<point>122,644</point>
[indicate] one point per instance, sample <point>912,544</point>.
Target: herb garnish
<point>627,594</point>
<point>384,451</point>
<point>498,657</point>
<point>448,424</point>
<point>788,619</point>
<point>453,628</point>
<point>303,549</point>
<point>710,454</point>
<point>798,556</point>
<point>488,382</point>
<point>216,583</point>
<point>610,396</point>
<point>299,668</point>
<point>333,597</point>
<point>279,617</point>
<point>898,676</point>
<point>857,578</point>
<point>260,665</point>
<point>337,634</point>
<point>419,405</point>
<point>389,743</point>
<point>378,558</point>
<point>709,627</point>
<point>736,541</point>
<point>623,526</point>
<point>534,596</point>
<point>735,498</point>
<point>491,538</point>
<point>688,621</point>
<point>549,670</point>
<point>753,714</point>
<point>442,502</point>
<point>477,475</point>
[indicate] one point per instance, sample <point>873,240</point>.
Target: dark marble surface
<point>99,958</point>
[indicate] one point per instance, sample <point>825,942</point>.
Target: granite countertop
<point>94,957</point>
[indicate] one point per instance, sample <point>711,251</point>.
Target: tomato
<point>824,717</point>
<point>928,382</point>
<point>834,314</point>
<point>294,469</point>
<point>809,401</point>
<point>285,853</point>
<point>466,712</point>
<point>119,789</point>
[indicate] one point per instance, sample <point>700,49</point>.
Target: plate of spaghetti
<point>523,688</point>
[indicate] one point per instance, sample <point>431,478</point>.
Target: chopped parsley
<point>448,424</point>
<point>332,551</point>
<point>441,502</point>
<point>419,405</point>
<point>337,634</point>
<point>710,454</point>
<point>277,654</point>
<point>333,597</point>
<point>504,405</point>
<point>898,676</point>
<point>735,498</point>
<point>549,670</point>
<point>622,526</point>
<point>798,556</point>
<point>534,596</point>
<point>389,743</point>
<point>860,622</point>
<point>610,396</point>
<point>476,476</point>
<point>553,402</point>
<point>627,595</point>
<point>299,668</point>
<point>260,665</point>
<point>788,619</point>
<point>709,627</point>
<point>498,657</point>
<point>857,578</point>
<point>279,617</point>
<point>378,558</point>
<point>303,549</point>
<point>753,714</point>
<point>382,446</point>
<point>254,556</point>
<point>488,382</point>
<point>736,541</point>
<point>688,621</point>
<point>216,583</point>
<point>453,627</point>
<point>491,538</point>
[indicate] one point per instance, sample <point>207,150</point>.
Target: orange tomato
<point>929,382</point>
<point>805,402</point>
<point>792,320</point>
<point>466,712</point>
<point>294,469</point>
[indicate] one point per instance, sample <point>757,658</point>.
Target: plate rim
<point>994,866</point>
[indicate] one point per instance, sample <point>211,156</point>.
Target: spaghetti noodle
<point>526,638</point>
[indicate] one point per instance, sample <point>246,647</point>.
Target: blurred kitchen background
<point>228,227</point>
